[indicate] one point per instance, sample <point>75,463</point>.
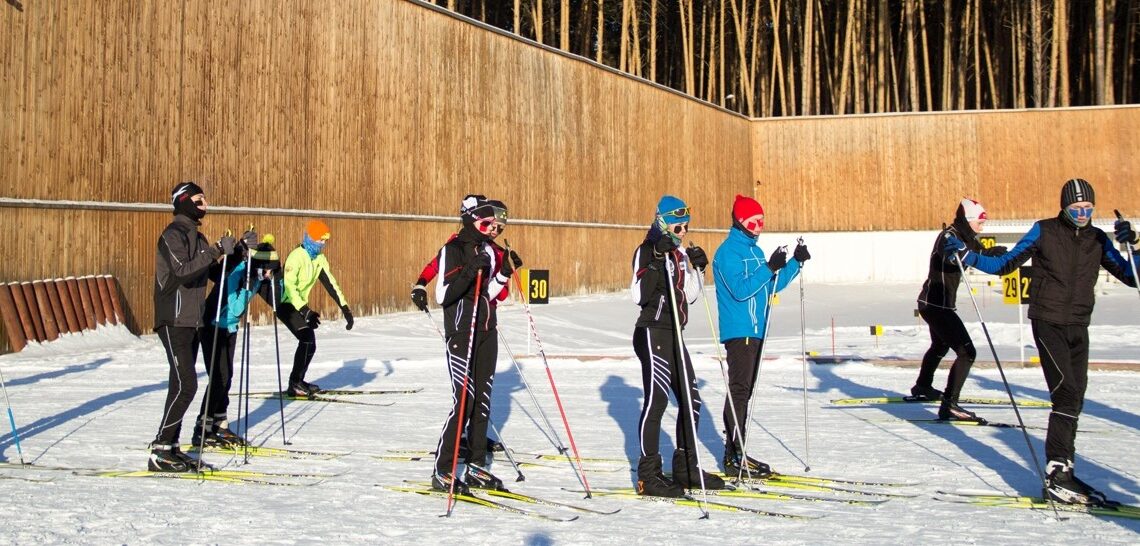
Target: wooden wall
<point>375,106</point>
<point>908,171</point>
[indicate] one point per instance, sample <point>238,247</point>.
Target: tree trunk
<point>601,31</point>
<point>848,45</point>
<point>1098,53</point>
<point>653,40</point>
<point>564,26</point>
<point>1037,54</point>
<point>806,66</point>
<point>925,42</point>
<point>623,46</point>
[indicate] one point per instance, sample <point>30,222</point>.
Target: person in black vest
<point>1067,252</point>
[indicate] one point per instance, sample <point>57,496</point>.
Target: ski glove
<point>419,297</point>
<point>347,317</point>
<point>249,239</point>
<point>663,245</point>
<point>801,253</point>
<point>1125,233</point>
<point>313,318</point>
<point>481,261</point>
<point>952,245</point>
<point>226,245</point>
<point>511,262</point>
<point>778,259</point>
<point>697,257</point>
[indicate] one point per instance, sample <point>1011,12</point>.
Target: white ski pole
<point>803,359</point>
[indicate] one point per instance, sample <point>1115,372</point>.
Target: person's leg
<point>654,350</point>
<point>486,356</point>
<point>742,359</point>
<point>924,384</point>
<point>306,342</point>
<point>181,345</point>
<point>1065,388</point>
<point>458,370</point>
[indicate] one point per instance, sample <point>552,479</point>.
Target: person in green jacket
<point>305,266</point>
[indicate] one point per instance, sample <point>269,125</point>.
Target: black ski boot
<point>441,481</point>
<point>688,475</point>
<point>229,438</point>
<point>651,481</point>
<point>480,478</point>
<point>494,446</point>
<point>298,390</point>
<point>1061,486</point>
<point>1097,497</point>
<point>951,411</point>
<point>925,393</point>
<point>313,388</point>
<point>733,462</point>
<point>167,458</point>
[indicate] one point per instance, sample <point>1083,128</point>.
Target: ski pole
<point>277,350</point>
<point>12,420</point>
<point>679,356</point>
<point>243,387</point>
<point>221,286</point>
<point>507,450</point>
<point>550,432</point>
<point>1012,401</point>
<point>723,372</point>
<point>803,360</point>
<point>550,377</point>
<point>759,367</point>
<point>1131,260</point>
<point>460,418</point>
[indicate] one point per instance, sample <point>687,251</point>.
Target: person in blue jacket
<point>1067,252</point>
<point>219,355</point>
<point>745,282</point>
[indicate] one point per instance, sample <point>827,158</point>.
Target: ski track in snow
<point>94,401</point>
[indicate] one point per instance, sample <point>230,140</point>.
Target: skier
<point>431,269</point>
<point>744,285</point>
<point>1067,252</point>
<point>655,342</point>
<point>469,256</point>
<point>936,306</point>
<point>220,364</point>
<point>305,266</point>
<point>183,261</point>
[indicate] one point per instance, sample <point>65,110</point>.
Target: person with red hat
<point>936,306</point>
<point>745,281</point>
<point>305,266</point>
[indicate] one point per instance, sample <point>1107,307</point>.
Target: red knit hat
<point>745,207</point>
<point>317,230</point>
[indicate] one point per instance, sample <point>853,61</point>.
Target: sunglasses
<point>487,225</point>
<point>679,213</point>
<point>678,228</point>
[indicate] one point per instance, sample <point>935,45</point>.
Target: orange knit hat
<point>317,230</point>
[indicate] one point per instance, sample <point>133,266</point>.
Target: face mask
<point>1081,216</point>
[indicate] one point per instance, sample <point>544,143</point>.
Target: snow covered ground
<point>95,402</point>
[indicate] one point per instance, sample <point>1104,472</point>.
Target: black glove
<point>664,245</point>
<point>347,317</point>
<point>997,250</point>
<point>419,297</point>
<point>778,259</point>
<point>249,239</point>
<point>480,262</point>
<point>226,245</point>
<point>313,318</point>
<point>1124,233</point>
<point>511,262</point>
<point>801,253</point>
<point>697,257</point>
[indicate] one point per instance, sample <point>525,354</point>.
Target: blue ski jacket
<point>744,285</point>
<point>236,301</point>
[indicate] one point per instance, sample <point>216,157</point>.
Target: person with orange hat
<point>305,266</point>
<point>745,281</point>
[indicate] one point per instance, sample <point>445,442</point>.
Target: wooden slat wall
<point>895,172</point>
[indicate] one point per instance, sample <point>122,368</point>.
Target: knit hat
<point>265,256</point>
<point>970,210</point>
<point>672,210</point>
<point>317,230</point>
<point>1075,191</point>
<point>471,201</point>
<point>745,207</point>
<point>180,199</point>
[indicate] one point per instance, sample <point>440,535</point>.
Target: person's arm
<point>331,286</point>
<point>497,287</point>
<point>1008,262</point>
<point>692,279</point>
<point>1115,263</point>
<point>648,270</point>
<point>290,286</point>
<point>788,274</point>
<point>457,277</point>
<point>175,249</point>
<point>734,275</point>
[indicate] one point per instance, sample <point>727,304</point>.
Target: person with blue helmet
<point>657,260</point>
<point>745,281</point>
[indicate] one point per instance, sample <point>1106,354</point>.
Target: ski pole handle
<point>1118,215</point>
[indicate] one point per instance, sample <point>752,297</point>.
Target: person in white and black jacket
<point>469,256</point>
<point>655,342</point>
<point>183,261</point>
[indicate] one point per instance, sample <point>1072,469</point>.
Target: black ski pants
<point>220,368</point>
<point>660,375</point>
<point>946,332</point>
<point>743,357</point>
<point>181,346</point>
<point>306,341</point>
<point>1064,350</point>
<point>480,376</point>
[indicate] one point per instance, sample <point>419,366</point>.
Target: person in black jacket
<point>182,263</point>
<point>657,259</point>
<point>936,306</point>
<point>1067,252</point>
<point>469,256</point>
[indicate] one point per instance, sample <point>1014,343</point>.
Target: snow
<point>94,401</point>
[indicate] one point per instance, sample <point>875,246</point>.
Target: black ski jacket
<point>181,266</point>
<point>455,286</point>
<point>941,286</point>
<point>650,284</point>
<point>1066,262</point>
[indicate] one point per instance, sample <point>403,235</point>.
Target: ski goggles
<point>678,213</point>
